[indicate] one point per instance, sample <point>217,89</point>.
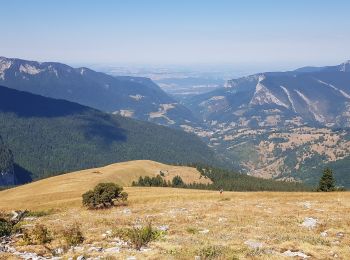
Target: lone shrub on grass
<point>73,235</point>
<point>39,235</point>
<point>103,196</point>
<point>139,236</point>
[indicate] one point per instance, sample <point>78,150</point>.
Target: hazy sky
<point>305,32</point>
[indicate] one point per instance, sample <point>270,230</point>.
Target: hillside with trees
<point>7,176</point>
<point>49,137</point>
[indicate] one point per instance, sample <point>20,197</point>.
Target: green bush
<point>73,235</point>
<point>5,227</point>
<point>39,235</point>
<point>103,196</point>
<point>139,236</point>
<point>211,252</point>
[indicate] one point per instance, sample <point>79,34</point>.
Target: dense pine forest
<point>224,180</point>
<point>49,137</point>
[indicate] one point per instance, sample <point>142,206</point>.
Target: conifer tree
<point>327,182</point>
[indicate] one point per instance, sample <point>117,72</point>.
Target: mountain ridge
<point>134,97</point>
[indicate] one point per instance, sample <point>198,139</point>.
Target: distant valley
<point>283,125</point>
<point>280,125</point>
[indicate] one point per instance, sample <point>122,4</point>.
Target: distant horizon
<point>243,68</point>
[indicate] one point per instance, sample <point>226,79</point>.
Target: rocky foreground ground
<point>200,225</point>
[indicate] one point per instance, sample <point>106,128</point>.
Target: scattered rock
<point>340,235</point>
<point>294,254</point>
<point>197,257</point>
<point>127,211</point>
<point>120,243</point>
<point>112,250</point>
<point>29,218</point>
<point>309,223</point>
<point>58,251</point>
<point>131,258</point>
<point>204,231</point>
<point>163,228</point>
<point>306,205</point>
<point>324,234</point>
<point>253,244</point>
<point>17,216</point>
<point>145,249</point>
<point>335,242</point>
<point>81,257</point>
<point>77,249</point>
<point>222,219</point>
<point>95,249</point>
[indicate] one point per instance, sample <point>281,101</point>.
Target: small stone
<point>29,218</point>
<point>222,219</point>
<point>78,248</point>
<point>306,205</point>
<point>197,257</point>
<point>294,254</point>
<point>112,250</point>
<point>95,249</point>
<point>145,249</point>
<point>309,223</point>
<point>81,257</point>
<point>58,251</point>
<point>340,235</point>
<point>127,211</point>
<point>204,231</point>
<point>253,244</point>
<point>131,258</point>
<point>163,228</point>
<point>324,234</point>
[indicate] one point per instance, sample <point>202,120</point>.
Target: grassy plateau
<point>194,223</point>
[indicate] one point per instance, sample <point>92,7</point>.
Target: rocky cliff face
<point>7,174</point>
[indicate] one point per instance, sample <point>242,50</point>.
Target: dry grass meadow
<point>234,225</point>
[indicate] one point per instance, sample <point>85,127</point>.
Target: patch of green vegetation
<point>139,236</point>
<point>192,230</point>
<point>73,235</point>
<point>104,196</point>
<point>158,181</point>
<point>231,181</point>
<point>40,213</point>
<point>39,235</point>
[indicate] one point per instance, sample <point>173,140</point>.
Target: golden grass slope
<point>214,226</point>
<point>66,190</point>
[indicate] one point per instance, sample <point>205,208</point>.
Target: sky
<point>271,32</point>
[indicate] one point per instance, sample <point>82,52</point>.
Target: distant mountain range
<point>317,96</point>
<point>50,136</point>
<point>283,125</point>
<point>134,97</point>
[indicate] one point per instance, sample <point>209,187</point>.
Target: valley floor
<point>234,225</point>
